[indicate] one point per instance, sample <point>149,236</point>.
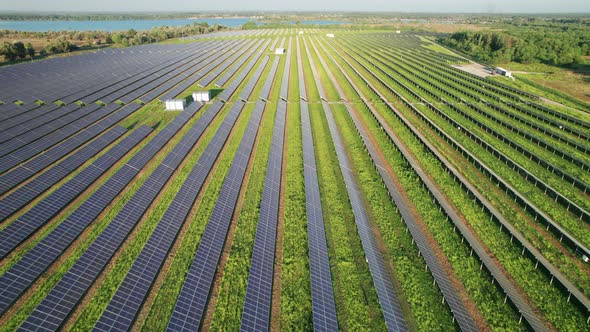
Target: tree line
<point>65,41</point>
<point>556,44</point>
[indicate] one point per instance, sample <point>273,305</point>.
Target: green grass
<point>522,269</point>
<point>92,233</point>
<point>295,306</point>
<point>228,311</point>
<point>132,247</point>
<point>163,305</point>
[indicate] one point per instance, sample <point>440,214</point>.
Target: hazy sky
<point>479,6</point>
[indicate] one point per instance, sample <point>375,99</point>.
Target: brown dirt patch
<point>475,69</point>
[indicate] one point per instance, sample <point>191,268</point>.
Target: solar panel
<point>237,64</point>
<point>191,303</point>
<point>81,275</point>
<point>390,305</point>
<point>257,305</point>
<point>129,297</point>
<point>531,318</point>
<point>30,167</point>
<point>23,195</point>
<point>284,94</point>
<point>22,275</point>
<point>322,293</point>
<point>237,81</point>
<point>265,93</point>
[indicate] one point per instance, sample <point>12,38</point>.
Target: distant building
<point>503,72</point>
<point>280,50</point>
<point>330,35</point>
<point>175,104</point>
<point>202,96</point>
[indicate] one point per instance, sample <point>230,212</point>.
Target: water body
<point>40,26</point>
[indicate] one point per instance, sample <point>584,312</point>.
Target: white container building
<point>503,72</point>
<point>202,96</point>
<point>175,104</point>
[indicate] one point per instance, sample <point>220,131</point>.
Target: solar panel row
<point>25,194</point>
<point>474,243</point>
<point>165,87</point>
<point>126,89</point>
<point>192,301</point>
<point>257,305</point>
<point>77,132</point>
<point>22,118</point>
<point>460,312</point>
<point>22,275</point>
<point>237,81</point>
<point>284,94</point>
<point>199,73</point>
<point>215,69</point>
<point>20,155</point>
<point>537,257</point>
<point>265,92</point>
<point>247,91</point>
<point>131,88</point>
<point>390,305</point>
<point>10,110</point>
<point>30,167</point>
<point>33,134</point>
<point>235,66</point>
<point>322,292</point>
<point>69,78</point>
<point>124,305</point>
<point>302,87</point>
<point>57,305</point>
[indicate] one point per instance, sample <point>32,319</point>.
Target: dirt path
<point>475,69</point>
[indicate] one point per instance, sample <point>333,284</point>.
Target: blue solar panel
<point>192,300</point>
<point>81,275</point>
<point>257,305</point>
<point>390,305</point>
<point>25,194</point>
<point>128,299</point>
<point>22,275</point>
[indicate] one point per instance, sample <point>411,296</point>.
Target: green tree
<point>30,50</point>
<point>8,51</point>
<point>20,49</point>
<point>249,25</point>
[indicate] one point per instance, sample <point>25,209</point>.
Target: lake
<point>39,26</point>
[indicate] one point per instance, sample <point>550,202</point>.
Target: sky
<point>430,6</point>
